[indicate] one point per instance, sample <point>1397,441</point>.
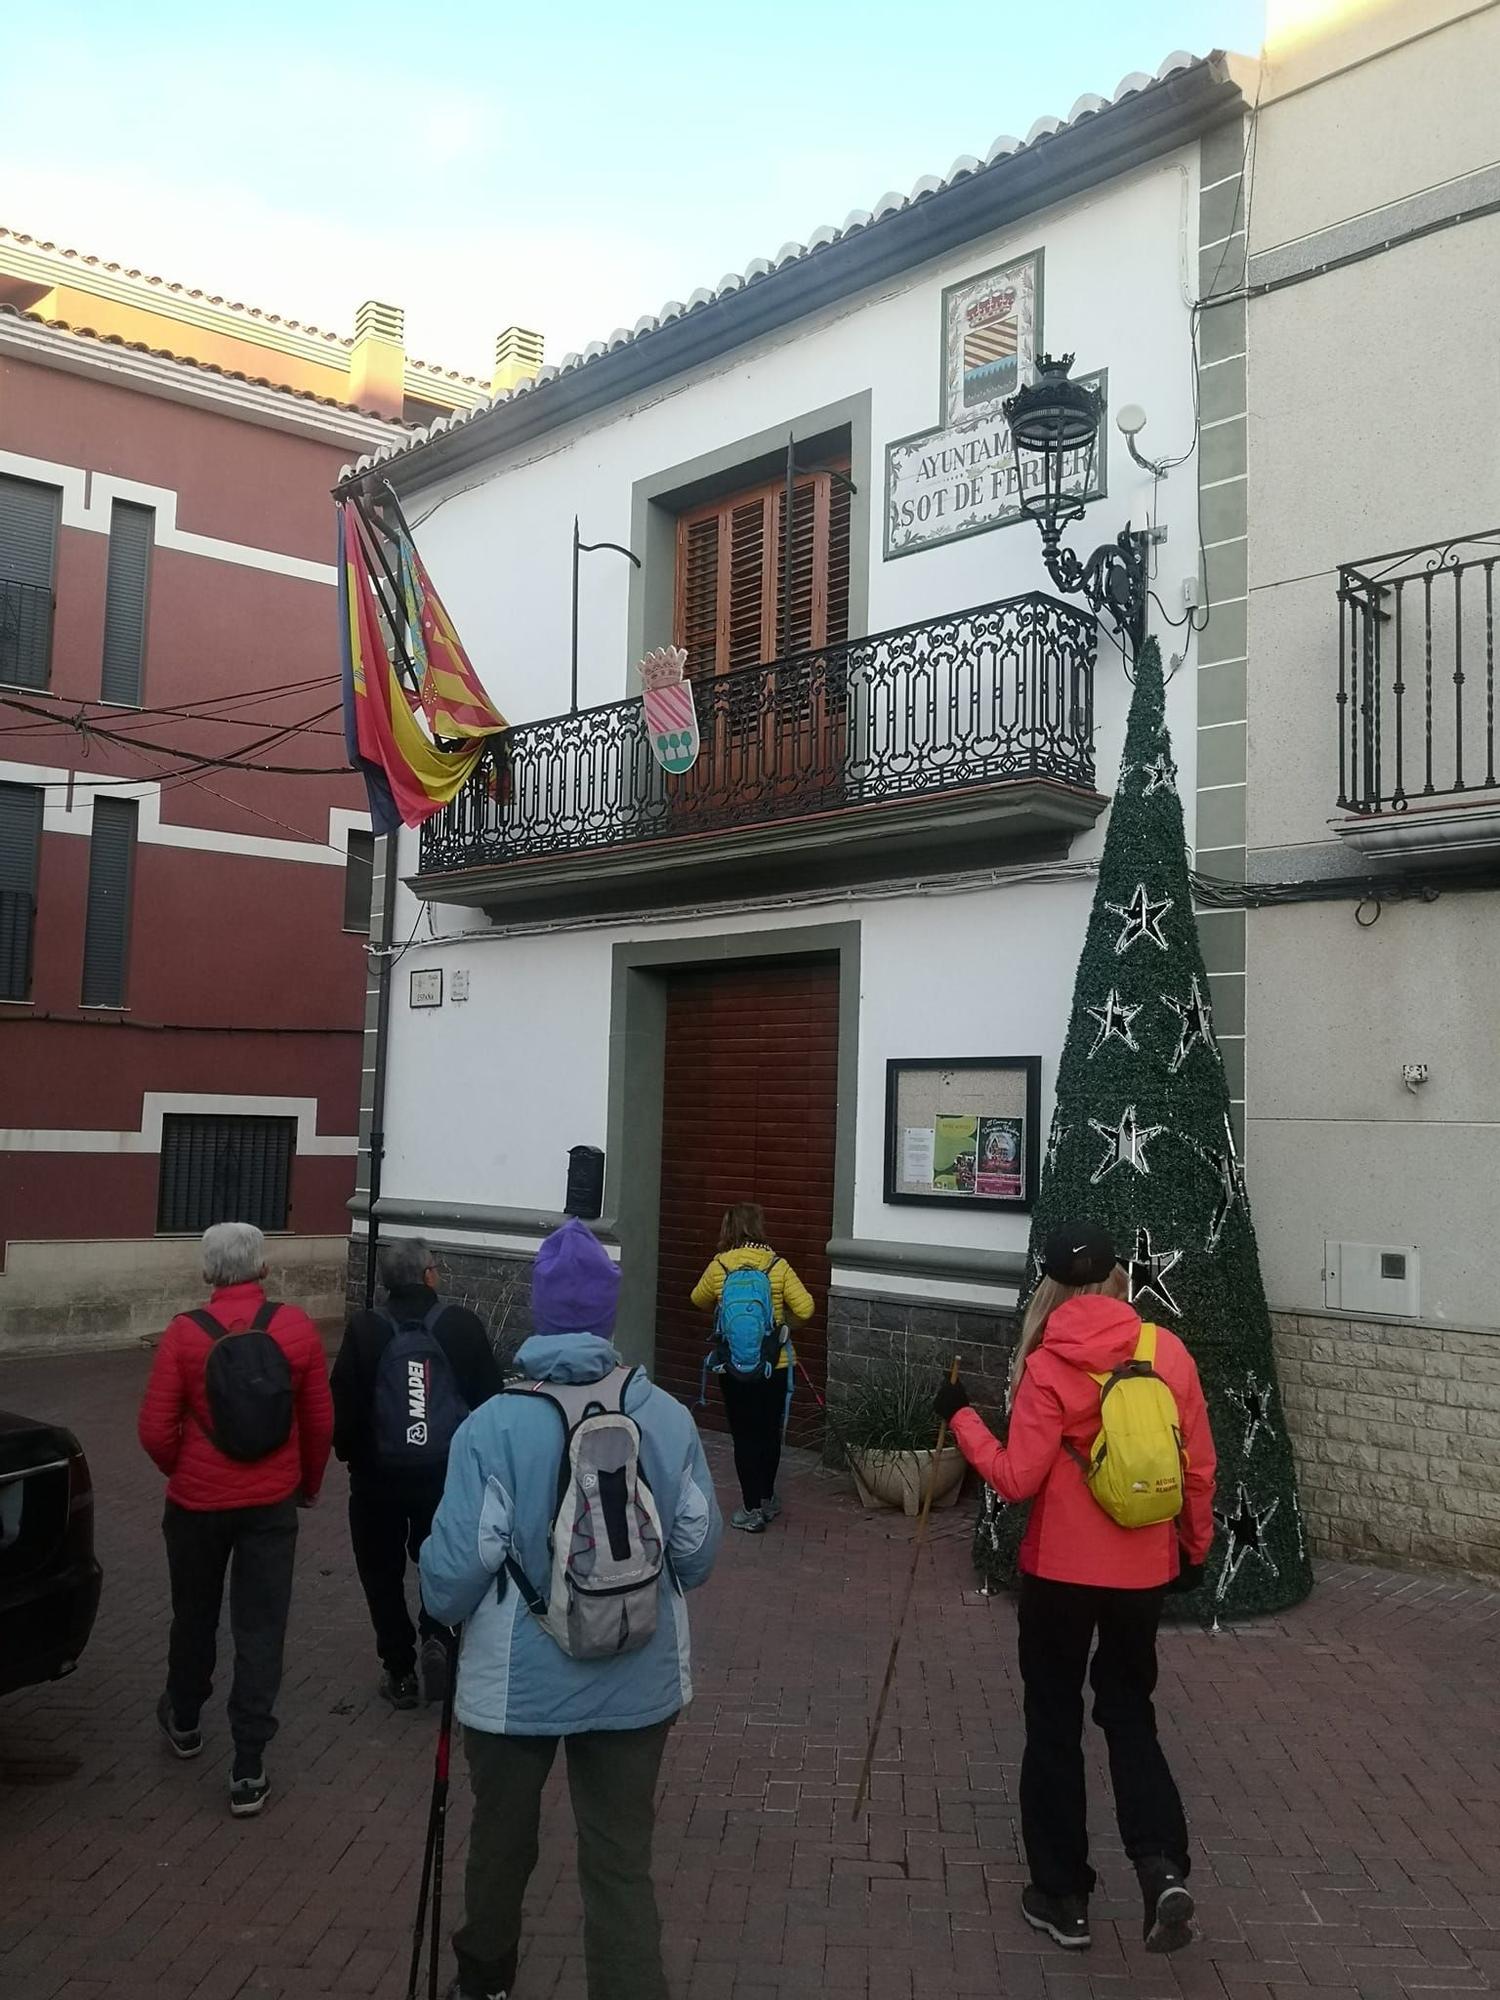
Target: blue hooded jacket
<point>501,1491</point>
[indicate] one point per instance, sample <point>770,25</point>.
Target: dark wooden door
<point>751,1105</point>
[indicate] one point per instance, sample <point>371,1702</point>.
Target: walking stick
<point>911,1584</point>
<point>432,1856</point>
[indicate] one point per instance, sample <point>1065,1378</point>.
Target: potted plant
<point>887,1430</point>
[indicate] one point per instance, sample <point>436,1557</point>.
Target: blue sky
<point>569,167</point>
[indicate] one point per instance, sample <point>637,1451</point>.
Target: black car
<point>49,1578</point>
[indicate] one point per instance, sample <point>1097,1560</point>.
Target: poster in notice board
<point>963,1130</point>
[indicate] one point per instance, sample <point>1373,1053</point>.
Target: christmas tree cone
<point>1141,1142</point>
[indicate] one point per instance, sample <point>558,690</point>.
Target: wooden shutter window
<point>106,937</point>
<point>20,852</point>
<point>131,531</point>
<point>224,1170</point>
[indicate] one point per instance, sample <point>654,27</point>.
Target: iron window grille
<point>224,1169</point>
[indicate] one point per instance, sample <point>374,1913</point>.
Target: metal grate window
<point>131,531</point>
<point>28,548</point>
<point>359,876</point>
<point>106,936</point>
<point>20,850</point>
<point>217,1169</point>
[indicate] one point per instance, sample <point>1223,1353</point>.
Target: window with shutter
<point>217,1169</point>
<point>106,937</point>
<point>28,552</point>
<point>359,875</point>
<point>20,853</point>
<point>131,532</point>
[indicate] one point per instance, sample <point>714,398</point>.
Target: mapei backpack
<point>248,1382</point>
<point>747,1340</point>
<point>417,1404</point>
<point>1135,1465</point>
<point>606,1540</point>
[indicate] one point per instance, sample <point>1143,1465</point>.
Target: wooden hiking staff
<point>918,1543</point>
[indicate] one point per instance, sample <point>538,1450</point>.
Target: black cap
<point>1080,1253</point>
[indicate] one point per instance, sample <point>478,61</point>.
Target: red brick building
<point>184,861</point>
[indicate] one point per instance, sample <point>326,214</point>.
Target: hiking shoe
<point>433,1668</point>
<point>751,1520</point>
<point>185,1742</point>
<point>458,1991</point>
<point>248,1784</point>
<point>400,1690</point>
<point>1065,1919</point>
<point>770,1508</point>
<point>1169,1905</point>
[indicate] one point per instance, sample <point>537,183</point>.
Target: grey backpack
<point>606,1541</point>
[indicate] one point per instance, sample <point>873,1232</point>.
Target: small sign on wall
<point>427,987</point>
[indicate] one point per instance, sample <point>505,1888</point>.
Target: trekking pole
<point>911,1584</point>
<point>432,1857</point>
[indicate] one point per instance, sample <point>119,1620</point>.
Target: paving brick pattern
<point>1340,1766</point>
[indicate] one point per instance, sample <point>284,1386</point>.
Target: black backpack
<point>418,1405</point>
<point>248,1381</point>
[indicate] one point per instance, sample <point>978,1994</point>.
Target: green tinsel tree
<point>1142,1143</point>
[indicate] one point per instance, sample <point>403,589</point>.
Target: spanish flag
<point>408,776</point>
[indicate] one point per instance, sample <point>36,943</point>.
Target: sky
<point>566,167</point>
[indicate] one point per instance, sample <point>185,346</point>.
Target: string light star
<point>1160,775</point>
<point>1195,1024</point>
<point>1254,1404</point>
<point>1114,1019</point>
<point>1245,1530</point>
<point>1055,1140</point>
<point>1125,1144</point>
<point>1143,919</point>
<point>1149,1270</point>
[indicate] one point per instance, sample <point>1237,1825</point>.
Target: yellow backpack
<point>1134,1468</point>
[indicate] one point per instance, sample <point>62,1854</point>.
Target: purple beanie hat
<point>575,1287</point>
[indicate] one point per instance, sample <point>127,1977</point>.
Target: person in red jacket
<point>233,1513</point>
<point>1084,1577</point>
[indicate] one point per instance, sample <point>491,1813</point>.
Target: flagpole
<point>382,1039</point>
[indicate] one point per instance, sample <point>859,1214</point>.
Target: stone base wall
<point>1397,1434</point>
<point>496,1284</point>
<point>868,1332</point>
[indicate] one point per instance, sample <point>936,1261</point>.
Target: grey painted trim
<point>471,1217</point>
<point>637,1067</point>
<point>1169,113</point>
<point>1460,200</point>
<point>928,1260</point>
<point>656,501</point>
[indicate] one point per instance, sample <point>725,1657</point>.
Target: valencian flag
<point>408,775</point>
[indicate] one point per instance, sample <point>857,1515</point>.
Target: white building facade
<point>736,983</point>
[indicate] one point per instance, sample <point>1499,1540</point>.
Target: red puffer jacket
<point>1070,1538</point>
<point>174,1419</point>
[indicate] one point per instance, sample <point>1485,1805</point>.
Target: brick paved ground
<point>1340,1764</point>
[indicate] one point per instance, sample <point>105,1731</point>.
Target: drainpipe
<point>382,1040</point>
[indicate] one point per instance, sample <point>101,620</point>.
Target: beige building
<point>1355,426</point>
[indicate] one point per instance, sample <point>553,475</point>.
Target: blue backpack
<point>747,1340</point>
<point>418,1406</point>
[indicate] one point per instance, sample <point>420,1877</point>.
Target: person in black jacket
<point>390,1511</point>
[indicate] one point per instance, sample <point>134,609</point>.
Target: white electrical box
<point>458,985</point>
<point>1381,1278</point>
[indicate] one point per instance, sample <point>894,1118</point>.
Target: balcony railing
<point>1416,695</point>
<point>25,634</point>
<point>1000,693</point>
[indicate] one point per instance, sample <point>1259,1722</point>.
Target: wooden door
<point>750,1111</point>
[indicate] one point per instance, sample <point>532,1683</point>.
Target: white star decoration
<point>1055,1140</point>
<point>1160,775</point>
<point>1143,919</point>
<point>1114,1019</point>
<point>1149,1270</point>
<point>1196,1023</point>
<point>1246,1532</point>
<point>1254,1404</point>
<point>1125,1144</point>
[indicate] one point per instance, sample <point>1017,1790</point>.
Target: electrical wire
<point>88,730</point>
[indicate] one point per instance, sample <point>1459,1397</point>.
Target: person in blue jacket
<point>519,1693</point>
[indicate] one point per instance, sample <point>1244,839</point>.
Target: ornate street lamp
<point>1053,422</point>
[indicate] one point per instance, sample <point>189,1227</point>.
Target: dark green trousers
<point>612,1777</point>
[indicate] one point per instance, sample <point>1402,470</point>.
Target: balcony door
<point>771,696</point>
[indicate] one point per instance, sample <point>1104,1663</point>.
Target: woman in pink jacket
<point>1083,1577</point>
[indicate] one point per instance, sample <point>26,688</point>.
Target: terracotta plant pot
<point>899,1478</point>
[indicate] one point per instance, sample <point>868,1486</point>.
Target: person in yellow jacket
<point>755,1409</point>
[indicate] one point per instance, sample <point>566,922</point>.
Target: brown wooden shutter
<point>697,618</point>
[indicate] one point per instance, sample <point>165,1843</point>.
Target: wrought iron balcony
<point>25,634</point>
<point>995,698</point>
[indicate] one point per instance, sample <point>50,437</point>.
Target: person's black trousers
<point>756,1412</point>
<point>388,1522</point>
<point>257,1546</point>
<point>1058,1626</point>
